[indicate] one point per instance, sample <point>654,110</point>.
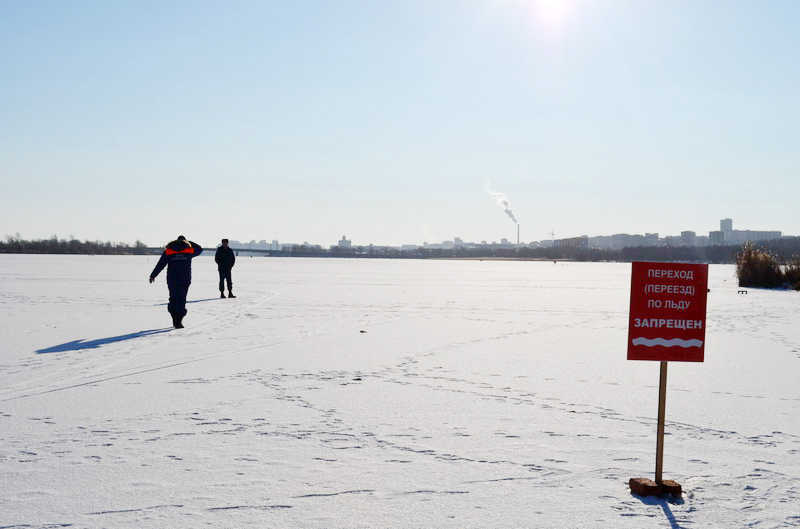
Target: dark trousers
<point>225,275</point>
<point>177,298</point>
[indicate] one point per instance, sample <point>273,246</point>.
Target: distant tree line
<point>783,250</point>
<point>54,245</point>
<point>702,254</point>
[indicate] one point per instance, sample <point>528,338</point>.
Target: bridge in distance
<point>237,251</point>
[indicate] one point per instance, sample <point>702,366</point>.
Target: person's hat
<point>181,238</point>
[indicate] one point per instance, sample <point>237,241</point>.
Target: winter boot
<point>221,294</point>
<point>230,294</point>
<point>176,321</point>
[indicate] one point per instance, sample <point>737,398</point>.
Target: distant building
<point>733,237</point>
<point>622,240</point>
<point>242,247</point>
<point>726,227</point>
<point>573,242</point>
<point>345,243</point>
<point>725,236</point>
<point>445,245</point>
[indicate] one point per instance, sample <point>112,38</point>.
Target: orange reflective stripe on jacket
<point>170,251</point>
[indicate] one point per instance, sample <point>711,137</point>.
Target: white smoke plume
<point>501,200</point>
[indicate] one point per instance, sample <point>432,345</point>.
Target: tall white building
<point>731,236</point>
<point>726,227</point>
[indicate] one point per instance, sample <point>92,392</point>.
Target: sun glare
<point>552,14</point>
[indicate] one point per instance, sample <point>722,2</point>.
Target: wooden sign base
<point>648,487</point>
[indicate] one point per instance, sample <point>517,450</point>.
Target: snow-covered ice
<point>383,393</point>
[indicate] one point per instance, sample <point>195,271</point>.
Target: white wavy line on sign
<point>672,342</point>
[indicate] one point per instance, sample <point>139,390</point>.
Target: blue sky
<point>384,121</point>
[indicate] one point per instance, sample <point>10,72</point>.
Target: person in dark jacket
<point>225,260</point>
<point>177,257</point>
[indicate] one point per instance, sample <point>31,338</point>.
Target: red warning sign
<point>668,312</point>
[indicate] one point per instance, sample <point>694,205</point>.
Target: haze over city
<point>726,235</point>
<point>395,122</point>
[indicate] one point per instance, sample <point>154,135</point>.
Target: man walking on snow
<point>177,257</point>
<point>225,260</point>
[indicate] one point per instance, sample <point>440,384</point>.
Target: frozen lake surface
<point>383,393</point>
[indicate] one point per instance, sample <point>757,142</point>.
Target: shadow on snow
<point>187,302</point>
<point>674,523</point>
<point>77,345</point>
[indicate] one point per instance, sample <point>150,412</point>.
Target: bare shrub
<point>756,267</point>
<point>791,272</point>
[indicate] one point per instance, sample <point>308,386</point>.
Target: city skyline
<point>726,235</point>
<point>396,122</point>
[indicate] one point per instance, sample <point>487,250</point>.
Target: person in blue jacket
<point>177,257</point>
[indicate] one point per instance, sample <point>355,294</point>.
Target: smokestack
<point>517,234</point>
